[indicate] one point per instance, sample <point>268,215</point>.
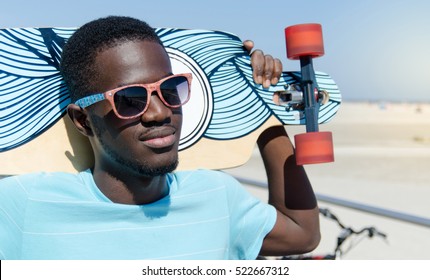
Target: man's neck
<point>130,189</point>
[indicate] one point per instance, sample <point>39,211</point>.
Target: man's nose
<point>157,111</point>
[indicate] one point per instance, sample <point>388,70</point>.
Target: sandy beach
<point>382,159</point>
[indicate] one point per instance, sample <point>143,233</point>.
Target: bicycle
<point>345,234</point>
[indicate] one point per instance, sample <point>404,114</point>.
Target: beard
<point>139,167</point>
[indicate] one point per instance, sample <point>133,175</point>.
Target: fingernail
<point>259,80</point>
<point>266,83</point>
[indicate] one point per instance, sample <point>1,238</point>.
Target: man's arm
<point>297,225</point>
<point>290,192</point>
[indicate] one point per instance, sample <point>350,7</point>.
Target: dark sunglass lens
<point>175,90</point>
<point>130,101</point>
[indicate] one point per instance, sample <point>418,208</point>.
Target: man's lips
<point>158,138</point>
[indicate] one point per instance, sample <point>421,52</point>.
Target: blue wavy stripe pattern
<point>240,106</point>
<point>33,96</point>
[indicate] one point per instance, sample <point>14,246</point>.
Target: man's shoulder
<point>31,184</point>
<point>202,175</point>
<point>39,177</point>
<point>202,179</point>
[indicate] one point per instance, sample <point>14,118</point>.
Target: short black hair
<point>80,51</point>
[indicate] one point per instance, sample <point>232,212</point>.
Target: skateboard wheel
<point>314,147</point>
<point>304,40</point>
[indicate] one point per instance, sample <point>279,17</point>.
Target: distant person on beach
<point>132,204</point>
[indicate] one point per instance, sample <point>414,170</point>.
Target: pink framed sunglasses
<point>131,101</point>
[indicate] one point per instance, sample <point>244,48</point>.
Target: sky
<point>374,50</point>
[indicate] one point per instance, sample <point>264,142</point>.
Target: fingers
<point>266,69</point>
<point>277,71</point>
<point>249,45</point>
<point>257,63</point>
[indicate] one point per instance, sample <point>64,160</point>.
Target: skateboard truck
<point>292,97</point>
<point>304,42</point>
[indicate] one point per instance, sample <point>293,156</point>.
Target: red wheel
<point>304,40</point>
<point>314,147</point>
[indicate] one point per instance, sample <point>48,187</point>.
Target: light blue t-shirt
<point>207,215</point>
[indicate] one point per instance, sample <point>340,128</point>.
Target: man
<point>131,205</point>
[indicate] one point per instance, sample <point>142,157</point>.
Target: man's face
<point>147,145</point>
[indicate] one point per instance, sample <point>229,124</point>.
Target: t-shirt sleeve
<point>13,198</point>
<point>250,221</point>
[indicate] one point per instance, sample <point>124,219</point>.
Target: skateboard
<point>221,122</point>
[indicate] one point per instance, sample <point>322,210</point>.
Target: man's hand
<point>266,69</point>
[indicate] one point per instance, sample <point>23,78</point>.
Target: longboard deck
<point>222,121</point>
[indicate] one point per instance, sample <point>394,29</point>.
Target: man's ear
<point>79,117</point>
